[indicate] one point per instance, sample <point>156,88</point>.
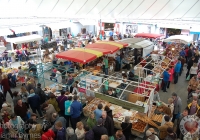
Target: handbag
<point>126,127</point>
<point>68,110</point>
<point>188,78</point>
<point>111,138</point>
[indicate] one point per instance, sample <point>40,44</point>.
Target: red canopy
<point>108,47</point>
<point>148,35</point>
<point>77,56</point>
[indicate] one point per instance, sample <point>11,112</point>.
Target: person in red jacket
<point>171,73</point>
<point>48,133</point>
<point>6,86</point>
<point>186,53</point>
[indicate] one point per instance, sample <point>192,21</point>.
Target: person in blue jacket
<point>177,70</point>
<point>166,76</point>
<point>75,112</point>
<point>34,102</point>
<point>182,53</point>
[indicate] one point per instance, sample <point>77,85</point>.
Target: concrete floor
<point>180,88</point>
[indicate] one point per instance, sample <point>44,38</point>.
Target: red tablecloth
<point>141,90</point>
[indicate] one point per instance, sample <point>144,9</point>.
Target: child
<point>53,74</point>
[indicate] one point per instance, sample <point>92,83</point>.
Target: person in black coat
<point>190,52</point>
<point>89,134</point>
<point>126,127</point>
<point>41,94</point>
<point>33,68</point>
<point>108,123</point>
<point>99,130</point>
<point>34,100</point>
<point>2,99</point>
<point>108,111</point>
<point>189,65</point>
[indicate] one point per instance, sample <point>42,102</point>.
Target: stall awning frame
<point>24,39</point>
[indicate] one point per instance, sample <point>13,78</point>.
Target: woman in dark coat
<point>6,86</point>
<point>109,111</point>
<point>126,127</point>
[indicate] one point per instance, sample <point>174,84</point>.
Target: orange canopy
<point>108,47</point>
<point>77,56</point>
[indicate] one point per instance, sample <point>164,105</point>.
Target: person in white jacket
<point>59,77</point>
<point>150,135</point>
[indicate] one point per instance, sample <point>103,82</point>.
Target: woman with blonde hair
<point>170,104</point>
<point>80,132</point>
<point>24,93</point>
<point>6,86</point>
<point>54,102</point>
<point>31,84</point>
<point>104,137</point>
<point>193,70</point>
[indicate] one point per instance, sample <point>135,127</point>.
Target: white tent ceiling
<point>23,12</point>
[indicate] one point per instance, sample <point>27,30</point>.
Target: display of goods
<point>94,103</point>
<point>166,60</point>
<point>157,70</point>
<point>157,118</point>
<point>48,45</point>
<point>47,88</point>
<point>121,118</point>
<point>117,115</point>
<point>139,126</point>
<point>146,120</point>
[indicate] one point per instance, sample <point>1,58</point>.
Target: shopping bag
<point>188,78</point>
<point>28,114</point>
<point>111,138</point>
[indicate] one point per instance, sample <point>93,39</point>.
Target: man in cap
<point>150,135</point>
<point>170,134</point>
<point>177,106</point>
<point>99,130</point>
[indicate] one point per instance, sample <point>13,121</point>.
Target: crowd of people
<point>38,116</point>
<point>190,56</point>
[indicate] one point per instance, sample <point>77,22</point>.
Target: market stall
<point>24,39</point>
<point>179,39</point>
<point>148,35</point>
<point>80,55</point>
<point>120,97</point>
<point>139,46</point>
<point>150,70</point>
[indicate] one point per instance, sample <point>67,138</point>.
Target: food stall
<point>150,69</point>
<point>141,46</point>
<point>119,95</point>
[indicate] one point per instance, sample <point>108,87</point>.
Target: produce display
<point>157,118</point>
<point>93,105</point>
<point>9,70</point>
<point>158,69</point>
<point>146,120</point>
<point>139,126</point>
